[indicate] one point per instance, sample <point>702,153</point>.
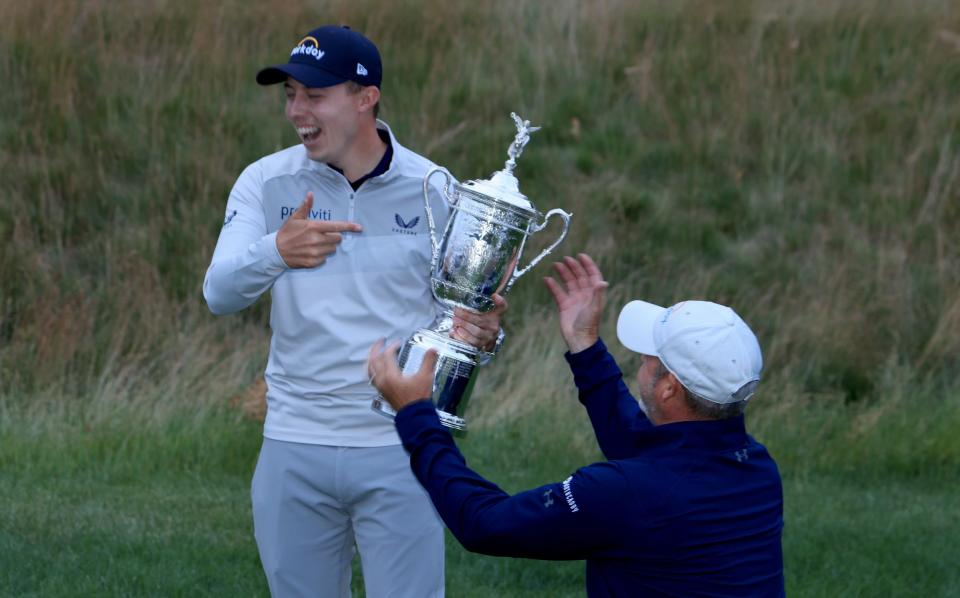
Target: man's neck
<point>364,156</point>
<point>672,412</point>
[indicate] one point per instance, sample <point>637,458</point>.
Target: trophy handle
<point>435,248</point>
<point>537,228</point>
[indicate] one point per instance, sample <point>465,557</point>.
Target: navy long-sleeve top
<point>683,509</point>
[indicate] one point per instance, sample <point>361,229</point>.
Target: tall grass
<point>798,161</point>
<point>796,165</point>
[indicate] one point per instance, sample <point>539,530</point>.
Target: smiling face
<point>327,119</point>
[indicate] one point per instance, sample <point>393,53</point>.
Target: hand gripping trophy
<point>476,258</point>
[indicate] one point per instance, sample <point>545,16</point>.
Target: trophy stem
<point>443,325</point>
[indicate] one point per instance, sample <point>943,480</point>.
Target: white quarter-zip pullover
<point>325,319</point>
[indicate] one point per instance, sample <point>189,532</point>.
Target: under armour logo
<point>547,498</point>
<point>403,224</point>
<point>741,455</point>
<point>361,70</point>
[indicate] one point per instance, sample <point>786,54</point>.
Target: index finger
<point>336,226</point>
<point>392,350</point>
<point>387,359</point>
<point>559,294</point>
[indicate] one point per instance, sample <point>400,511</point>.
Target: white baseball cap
<point>706,346</point>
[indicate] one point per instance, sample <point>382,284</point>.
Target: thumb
<point>428,366</point>
<point>304,210</point>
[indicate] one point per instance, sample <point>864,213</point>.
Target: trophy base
<point>449,420</point>
<point>453,376</point>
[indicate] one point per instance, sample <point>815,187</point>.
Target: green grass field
<point>799,161</point>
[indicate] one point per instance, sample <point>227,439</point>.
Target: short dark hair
<point>354,87</point>
<point>700,406</point>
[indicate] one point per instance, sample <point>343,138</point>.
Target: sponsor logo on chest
<point>405,227</point>
<point>315,213</point>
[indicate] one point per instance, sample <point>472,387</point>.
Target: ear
<point>668,389</point>
<point>369,96</point>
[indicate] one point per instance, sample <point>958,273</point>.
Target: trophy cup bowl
<point>476,258</point>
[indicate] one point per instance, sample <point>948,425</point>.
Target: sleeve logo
<point>548,498</point>
<point>569,495</point>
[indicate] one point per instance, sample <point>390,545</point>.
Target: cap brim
<point>635,326</point>
<point>308,75</point>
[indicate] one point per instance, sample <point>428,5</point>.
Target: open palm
<point>579,296</point>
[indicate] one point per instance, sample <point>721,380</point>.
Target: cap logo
<point>361,70</point>
<point>309,50</point>
<point>669,312</point>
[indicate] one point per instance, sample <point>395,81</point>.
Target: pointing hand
<point>305,243</point>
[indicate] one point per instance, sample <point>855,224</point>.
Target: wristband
<point>486,356</point>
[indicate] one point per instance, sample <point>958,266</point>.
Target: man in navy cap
<point>333,227</point>
<point>687,503</point>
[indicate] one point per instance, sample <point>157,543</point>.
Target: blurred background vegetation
<point>798,161</point>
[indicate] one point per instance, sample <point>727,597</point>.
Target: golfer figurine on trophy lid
<point>476,258</point>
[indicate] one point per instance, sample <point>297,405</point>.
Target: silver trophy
<point>477,257</point>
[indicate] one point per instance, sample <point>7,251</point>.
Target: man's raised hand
<point>305,243</point>
<point>579,297</point>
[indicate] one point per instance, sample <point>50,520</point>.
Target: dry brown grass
<point>796,160</point>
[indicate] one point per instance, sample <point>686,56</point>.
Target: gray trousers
<point>313,503</point>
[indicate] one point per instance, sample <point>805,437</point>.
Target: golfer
<point>331,228</point>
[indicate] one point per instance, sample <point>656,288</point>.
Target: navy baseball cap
<point>326,56</point>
